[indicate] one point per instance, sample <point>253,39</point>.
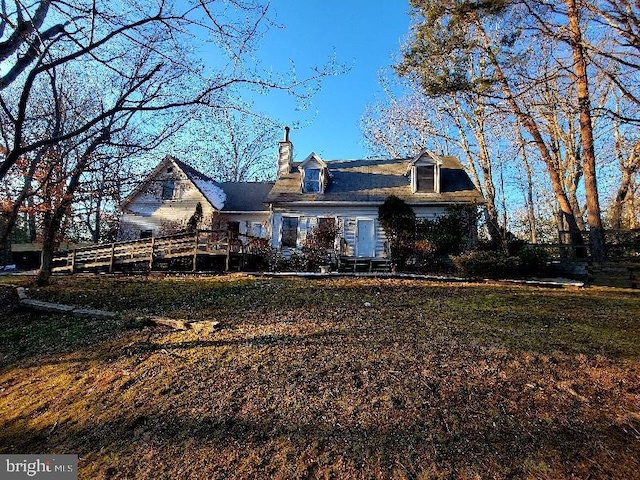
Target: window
<point>425,177</point>
<point>290,232</point>
<point>167,189</point>
<point>258,230</point>
<point>234,230</point>
<point>146,234</point>
<point>311,180</point>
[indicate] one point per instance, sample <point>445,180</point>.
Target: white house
<point>165,201</point>
<point>349,192</point>
<point>305,194</point>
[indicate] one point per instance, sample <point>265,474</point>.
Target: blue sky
<point>363,35</point>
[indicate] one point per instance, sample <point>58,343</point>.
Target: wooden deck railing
<point>151,250</point>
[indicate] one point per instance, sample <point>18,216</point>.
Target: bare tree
<point>623,209</point>
<point>501,35</point>
<point>145,50</point>
<point>581,76</point>
<point>140,72</point>
<point>234,145</point>
<point>458,123</point>
<point>401,127</point>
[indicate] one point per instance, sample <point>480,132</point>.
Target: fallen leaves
<point>302,380</point>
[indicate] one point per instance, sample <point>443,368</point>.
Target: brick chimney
<point>285,154</point>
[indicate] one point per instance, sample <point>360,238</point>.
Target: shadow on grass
<point>447,382</point>
<point>516,318</point>
<point>471,442</point>
<point>26,333</point>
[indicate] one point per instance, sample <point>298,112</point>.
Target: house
<point>349,192</point>
<point>165,201</point>
<point>305,194</point>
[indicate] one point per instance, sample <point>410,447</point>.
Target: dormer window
<point>425,178</point>
<point>425,173</point>
<point>314,175</point>
<point>311,182</point>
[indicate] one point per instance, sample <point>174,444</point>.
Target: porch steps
<point>370,265</point>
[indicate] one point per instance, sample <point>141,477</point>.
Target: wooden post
<point>73,260</point>
<point>153,243</point>
<point>228,260</point>
<point>195,252</point>
<point>113,249</point>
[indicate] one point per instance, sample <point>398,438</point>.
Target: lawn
<point>326,378</point>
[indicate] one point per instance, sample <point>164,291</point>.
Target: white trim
<point>436,177</point>
<point>313,156</point>
<point>243,212</point>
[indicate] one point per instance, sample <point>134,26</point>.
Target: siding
<point>346,218</point>
<point>148,211</point>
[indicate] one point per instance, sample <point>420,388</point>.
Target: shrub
<point>289,261</point>
<point>451,233</point>
<point>491,264</point>
<point>398,221</point>
<point>494,264</point>
<point>534,260</point>
<point>196,219</point>
<point>319,245</point>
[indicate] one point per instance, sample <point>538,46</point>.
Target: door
<point>365,238</point>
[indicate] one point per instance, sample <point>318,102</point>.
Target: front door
<point>365,238</point>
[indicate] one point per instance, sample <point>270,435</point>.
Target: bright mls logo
<point>49,467</point>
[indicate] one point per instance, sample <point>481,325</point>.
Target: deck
<point>160,253</point>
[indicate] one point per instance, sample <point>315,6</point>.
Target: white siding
<point>148,211</point>
<point>346,218</point>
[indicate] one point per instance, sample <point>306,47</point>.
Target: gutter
<point>312,203</point>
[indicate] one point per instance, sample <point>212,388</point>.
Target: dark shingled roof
<point>374,180</point>
<point>246,196</point>
<point>241,196</point>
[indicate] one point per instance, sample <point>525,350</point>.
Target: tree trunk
<point>530,125</point>
<point>96,232</point>
<point>617,209</point>
<point>531,214</point>
<point>11,217</point>
<point>49,247</point>
<point>594,217</point>
<point>628,170</point>
<point>476,124</point>
<point>53,220</point>
<point>31,220</point>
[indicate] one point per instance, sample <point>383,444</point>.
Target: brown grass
<point>304,380</point>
